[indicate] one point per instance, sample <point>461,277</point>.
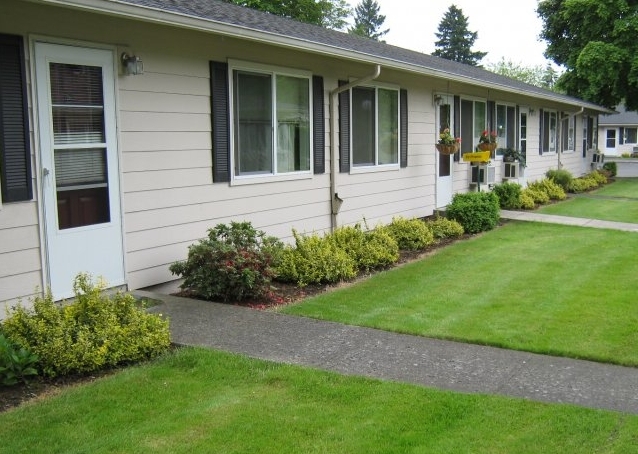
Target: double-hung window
<point>505,127</point>
<point>567,133</point>
<point>549,132</point>
<point>375,126</point>
<point>271,124</point>
<point>473,123</point>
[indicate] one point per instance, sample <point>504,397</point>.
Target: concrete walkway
<point>580,222</point>
<point>379,354</point>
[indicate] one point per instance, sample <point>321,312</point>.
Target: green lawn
<point>200,401</point>
<point>537,287</point>
<point>599,204</point>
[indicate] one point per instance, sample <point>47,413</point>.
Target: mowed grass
<point>536,287</point>
<point>599,204</point>
<point>201,401</point>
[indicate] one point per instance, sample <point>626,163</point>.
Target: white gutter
<point>335,200</point>
<point>181,20</point>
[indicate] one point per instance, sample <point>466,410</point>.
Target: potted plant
<point>448,144</point>
<point>512,155</point>
<point>487,141</point>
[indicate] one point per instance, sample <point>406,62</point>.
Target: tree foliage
<point>544,77</point>
<point>368,21</point>
<point>325,13</point>
<point>455,41</point>
<point>596,42</point>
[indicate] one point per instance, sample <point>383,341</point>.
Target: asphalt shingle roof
<point>220,12</point>
<point>622,117</point>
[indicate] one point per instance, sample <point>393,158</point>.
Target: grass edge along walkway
<point>196,400</point>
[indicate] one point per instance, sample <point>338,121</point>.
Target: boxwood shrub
<point>508,194</point>
<point>475,211</point>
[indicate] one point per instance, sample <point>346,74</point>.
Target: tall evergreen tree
<point>455,40</point>
<point>368,21</point>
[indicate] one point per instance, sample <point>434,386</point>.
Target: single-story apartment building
<point>130,127</point>
<point>618,132</point>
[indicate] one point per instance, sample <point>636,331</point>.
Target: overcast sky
<point>506,28</point>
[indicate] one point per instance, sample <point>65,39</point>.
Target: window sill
<point>374,169</point>
<point>258,179</point>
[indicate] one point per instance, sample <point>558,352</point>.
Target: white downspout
<point>335,200</point>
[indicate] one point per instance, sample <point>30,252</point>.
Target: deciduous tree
<point>544,77</point>
<point>596,43</point>
<point>326,13</point>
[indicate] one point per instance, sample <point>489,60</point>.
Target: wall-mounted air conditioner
<point>511,170</point>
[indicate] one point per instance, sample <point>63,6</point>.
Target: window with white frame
<point>505,127</point>
<point>473,123</point>
<point>522,130</point>
<point>567,133</point>
<point>375,126</point>
<point>631,135</point>
<point>549,128</point>
<point>271,120</point>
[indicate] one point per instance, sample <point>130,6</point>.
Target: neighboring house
<point>618,132</point>
<point>237,115</point>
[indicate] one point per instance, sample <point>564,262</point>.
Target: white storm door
<point>444,163</point>
<point>80,178</point>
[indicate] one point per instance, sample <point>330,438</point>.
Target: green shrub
<point>599,177</point>
<point>410,234</point>
<point>234,263</point>
<point>314,260</point>
<point>553,190</point>
<point>369,250</point>
<point>539,196</point>
<point>16,363</point>
<point>94,332</point>
<point>380,250</point>
<point>527,201</point>
<point>475,211</point>
<point>611,167</point>
<point>508,194</point>
<point>444,228</point>
<point>560,177</point>
<point>582,184</point>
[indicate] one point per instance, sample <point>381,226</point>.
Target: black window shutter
<point>15,152</point>
<point>457,124</point>
<point>621,136</point>
<point>541,128</point>
<point>220,121</point>
<point>319,125</point>
<point>517,126</point>
<point>344,129</point>
<point>403,113</point>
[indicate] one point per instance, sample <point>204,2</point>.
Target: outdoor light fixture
<point>133,65</point>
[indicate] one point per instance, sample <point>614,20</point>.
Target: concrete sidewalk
<point>380,354</point>
<point>374,353</point>
<point>580,222</point>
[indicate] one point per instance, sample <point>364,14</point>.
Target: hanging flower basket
<point>447,149</point>
<point>487,146</point>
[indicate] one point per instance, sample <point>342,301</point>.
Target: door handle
<point>45,172</point>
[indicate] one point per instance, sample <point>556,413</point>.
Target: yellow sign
<point>477,156</point>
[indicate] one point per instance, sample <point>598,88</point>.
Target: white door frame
<point>444,184</point>
<point>97,249</point>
